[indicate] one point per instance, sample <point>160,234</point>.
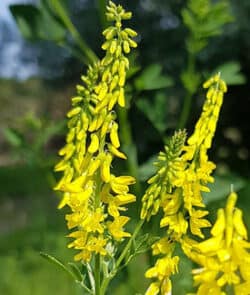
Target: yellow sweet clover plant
<point>95,195</point>
<point>97,198</point>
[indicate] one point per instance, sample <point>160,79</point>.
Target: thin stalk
<point>97,274</point>
<point>102,9</point>
<point>186,108</point>
<point>107,279</point>
<point>62,13</point>
<point>91,277</point>
<point>129,147</point>
<point>85,288</point>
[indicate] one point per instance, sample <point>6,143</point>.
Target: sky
<point>4,10</point>
<point>12,50</point>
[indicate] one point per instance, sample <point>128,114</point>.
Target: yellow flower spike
<point>86,162</point>
<point>114,135</point>
<point>94,144</point>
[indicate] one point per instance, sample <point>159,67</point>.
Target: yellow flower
<point>224,258</point>
<point>168,164</point>
<point>90,189</point>
<point>164,267</point>
<point>116,227</point>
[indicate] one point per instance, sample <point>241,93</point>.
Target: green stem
<point>97,274</point>
<point>102,9</point>
<point>129,147</point>
<point>189,93</point>
<point>185,111</point>
<point>62,13</point>
<point>107,279</point>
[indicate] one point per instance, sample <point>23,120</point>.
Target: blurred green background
<point>44,48</point>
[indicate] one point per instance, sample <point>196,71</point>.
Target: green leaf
<point>155,111</point>
<point>230,73</point>
<point>28,18</point>
<point>221,187</point>
<point>59,264</point>
<point>147,169</point>
<point>151,78</point>
<point>53,27</point>
<point>37,23</point>
<point>12,137</point>
<point>190,80</point>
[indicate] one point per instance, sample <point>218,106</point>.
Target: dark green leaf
<point>37,23</point>
<point>147,169</point>
<point>151,78</point>
<point>221,187</point>
<point>155,110</point>
<point>28,19</point>
<point>230,73</point>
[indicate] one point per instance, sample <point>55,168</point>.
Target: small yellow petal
<point>94,144</point>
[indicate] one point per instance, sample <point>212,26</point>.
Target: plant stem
<point>129,147</point>
<point>185,111</point>
<point>107,279</point>
<point>127,247</point>
<point>101,9</point>
<point>189,93</point>
<point>62,13</point>
<point>97,274</point>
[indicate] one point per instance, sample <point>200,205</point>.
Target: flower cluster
<point>93,193</point>
<point>224,258</point>
<point>184,171</point>
<point>169,164</point>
